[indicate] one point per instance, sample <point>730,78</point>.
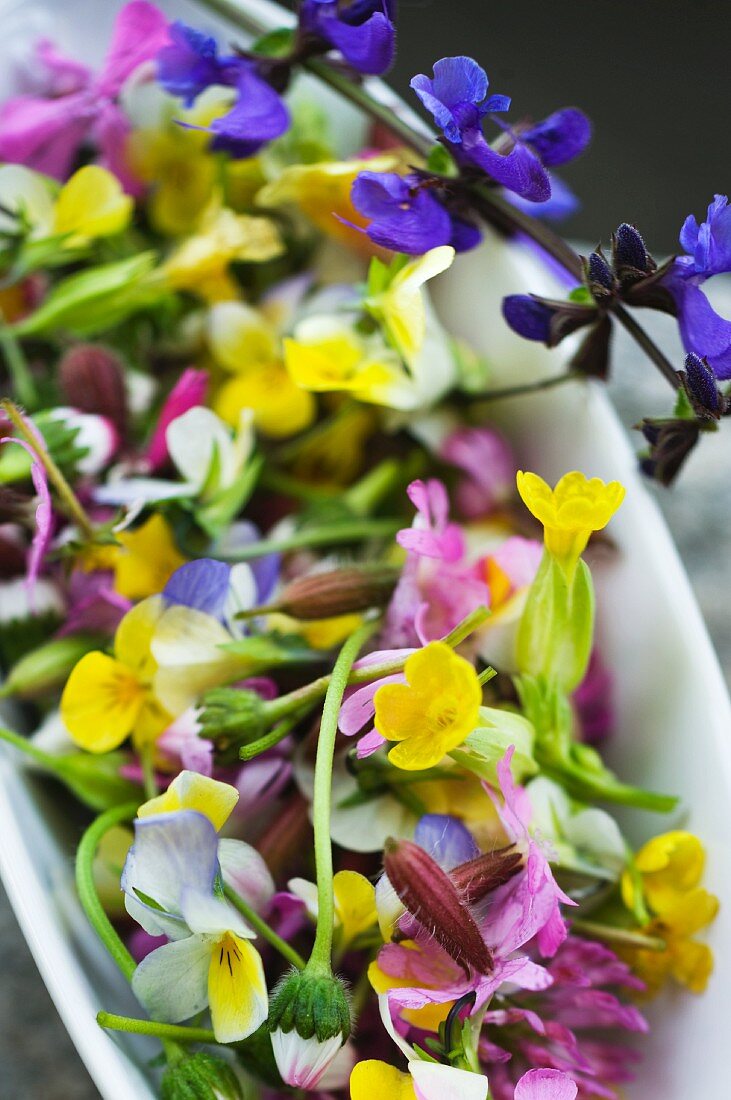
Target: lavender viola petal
<point>172,852</point>
<point>258,116</point>
<point>201,584</point>
<point>560,137</point>
<point>369,743</point>
<point>265,569</point>
<point>446,839</point>
<point>528,317</point>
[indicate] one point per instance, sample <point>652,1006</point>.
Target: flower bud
<point>432,898</point>
<point>629,253</point>
<point>309,1020</point>
<point>338,592</point>
<point>92,378</point>
<point>599,277</point>
<point>47,667</point>
<point>702,388</point>
<point>231,718</point>
<point>478,877</point>
<point>200,1076</point>
<point>557,626</point>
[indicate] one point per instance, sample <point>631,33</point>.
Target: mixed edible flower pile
<point>278,604</point>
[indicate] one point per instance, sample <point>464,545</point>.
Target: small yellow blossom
<point>433,712</point>
<point>108,698</point>
<point>183,174</point>
<point>246,343</point>
<point>322,192</point>
<point>92,204</point>
<point>670,868</point>
<point>570,512</point>
<point>328,354</point>
<point>147,560</point>
<point>192,791</point>
<point>355,904</point>
<point>401,305</point>
<point>200,263</point>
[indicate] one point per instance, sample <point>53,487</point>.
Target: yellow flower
<point>327,354</point>
<point>147,560</point>
<point>244,341</point>
<point>108,698</point>
<point>372,1078</point>
<point>192,791</point>
<point>433,712</point>
<point>355,904</point>
<point>183,174</point>
<point>401,306</point>
<point>322,192</point>
<point>92,204</point>
<point>334,453</point>
<point>570,512</point>
<point>200,263</point>
<point>670,868</point>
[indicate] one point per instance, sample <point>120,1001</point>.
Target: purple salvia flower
<point>456,97</point>
<point>528,317</point>
<point>406,216</point>
<point>362,31</point>
<point>189,63</point>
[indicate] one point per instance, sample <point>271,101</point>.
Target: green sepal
<point>313,1005</point>
<point>556,629</point>
<point>200,1076</point>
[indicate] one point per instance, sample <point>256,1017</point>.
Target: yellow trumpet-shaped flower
<point>668,871</point>
<point>92,204</point>
<point>147,559</point>
<point>433,712</point>
<point>571,512</point>
<point>193,791</point>
<point>200,263</point>
<point>108,698</point>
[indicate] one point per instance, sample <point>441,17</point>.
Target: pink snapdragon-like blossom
<point>45,132</point>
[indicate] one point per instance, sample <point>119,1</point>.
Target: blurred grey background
<point>654,77</point>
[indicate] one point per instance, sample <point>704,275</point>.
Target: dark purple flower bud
<point>628,250</point>
<point>599,275</point>
<point>528,316</point>
<point>702,387</point>
<point>671,441</point>
<point>362,30</point>
<point>559,138</point>
<point>91,378</point>
<point>433,900</point>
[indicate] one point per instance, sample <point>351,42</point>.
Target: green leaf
<point>272,649</point>
<point>441,161</point>
<point>582,295</point>
<point>95,299</point>
<point>216,514</point>
<point>683,409</point>
<point>279,43</point>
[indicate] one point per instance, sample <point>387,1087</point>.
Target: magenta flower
<point>44,510</point>
<point>358,709</point>
<point>487,460</point>
<point>46,132</point>
<point>188,391</point>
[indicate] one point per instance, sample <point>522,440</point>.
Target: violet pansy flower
<point>45,133</point>
<point>708,248</point>
<point>456,97</point>
<point>362,31</point>
<point>408,216</point>
<point>189,63</point>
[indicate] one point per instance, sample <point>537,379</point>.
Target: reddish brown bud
<point>92,379</point>
<point>476,878</point>
<point>431,897</point>
<point>338,592</point>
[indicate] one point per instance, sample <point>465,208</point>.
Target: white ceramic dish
<point>674,712</point>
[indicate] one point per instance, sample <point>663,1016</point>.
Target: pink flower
<point>188,391</point>
<point>183,747</point>
<point>359,709</point>
<point>45,132</point>
<point>488,461</point>
<point>93,604</point>
<point>44,510</point>
<point>438,586</point>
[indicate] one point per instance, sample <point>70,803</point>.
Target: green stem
<point>57,479</point>
<point>321,956</point>
<point>38,756</point>
<point>280,482</point>
<point>528,388</point>
<point>147,763</point>
<point>625,937</point>
<point>25,387</point>
<point>363,497</point>
<point>86,889</point>
<point>332,535</point>
<point>252,917</point>
<point>176,1032</point>
<point>648,345</point>
<point>269,740</point>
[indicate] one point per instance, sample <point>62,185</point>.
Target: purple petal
<point>442,115</point>
<point>465,235</point>
<point>44,515</point>
<point>172,852</point>
<point>110,132</point>
<point>258,116</point>
<point>546,1084</point>
<point>414,223</point>
<point>563,203</point>
<point>528,317</point>
<point>369,47</point>
<point>369,743</point>
<point>446,839</point>
<point>701,328</point>
<point>201,584</point>
<point>188,62</point>
<point>560,137</point>
<point>459,80</point>
<point>44,134</point>
<point>139,32</point>
<point>358,709</point>
<point>519,170</point>
<point>709,244</point>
